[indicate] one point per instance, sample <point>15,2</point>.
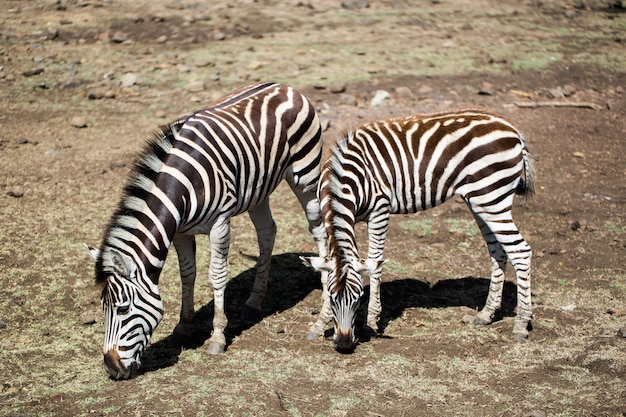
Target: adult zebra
<point>195,175</point>
<point>408,164</point>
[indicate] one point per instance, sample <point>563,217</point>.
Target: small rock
<point>78,122</point>
<point>109,94</point>
<point>486,89</point>
<point>622,332</point>
<point>65,21</point>
<point>578,154</point>
<point>337,87</point>
<point>255,65</point>
<point>404,92</point>
<point>119,37</point>
<point>3,324</point>
<point>195,86</point>
<point>203,62</point>
<point>15,194</point>
<point>468,319</point>
<point>355,4</point>
<point>95,94</point>
<point>568,90</point>
<point>556,93</point>
<point>88,318</point>
<point>161,39</point>
<point>30,73</point>
<point>379,98</point>
<point>129,79</point>
<point>219,36</point>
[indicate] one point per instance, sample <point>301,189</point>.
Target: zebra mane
<point>334,170</point>
<point>145,168</point>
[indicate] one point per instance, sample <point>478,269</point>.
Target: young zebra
<point>408,164</point>
<point>195,175</point>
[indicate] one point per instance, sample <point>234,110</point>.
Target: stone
<point>379,98</point>
<point>129,79</point>
<point>404,92</point>
<point>78,122</point>
<point>337,87</point>
<point>219,36</point>
<point>195,86</point>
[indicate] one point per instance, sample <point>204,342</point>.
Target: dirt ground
<point>84,83</point>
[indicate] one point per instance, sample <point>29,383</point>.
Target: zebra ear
<point>123,263</point>
<point>370,265</point>
<point>93,252</point>
<point>318,263</point>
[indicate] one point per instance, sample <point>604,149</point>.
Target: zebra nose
<point>344,341</point>
<point>114,366</point>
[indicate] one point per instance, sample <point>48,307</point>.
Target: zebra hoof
<point>520,337</point>
<point>482,320</point>
<point>250,314</point>
<point>216,348</point>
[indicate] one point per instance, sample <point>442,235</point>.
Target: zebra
<point>196,174</point>
<point>408,164</point>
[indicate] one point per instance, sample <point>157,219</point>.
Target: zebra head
<point>345,287</point>
<point>132,310</point>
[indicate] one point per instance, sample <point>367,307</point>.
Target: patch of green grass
<point>422,227</point>
<point>614,227</point>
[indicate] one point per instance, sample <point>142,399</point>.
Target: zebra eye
<point>123,309</point>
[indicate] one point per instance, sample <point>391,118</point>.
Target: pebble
<point>16,193</point>
<point>30,73</point>
<point>404,92</point>
<point>337,87</point>
<point>119,37</point>
<point>78,122</point>
<point>203,62</point>
<point>379,98</point>
<point>3,324</point>
<point>486,89</point>
<point>195,86</point>
<point>129,79</point>
<point>622,332</point>
<point>219,36</point>
<point>468,318</point>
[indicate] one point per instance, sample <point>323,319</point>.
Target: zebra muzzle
<point>115,368</point>
<point>344,341</point>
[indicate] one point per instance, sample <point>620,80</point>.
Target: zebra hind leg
<point>265,226</point>
<point>505,242</point>
<point>186,250</point>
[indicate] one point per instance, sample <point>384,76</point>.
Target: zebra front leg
<point>377,227</point>
<point>185,246</point>
<point>261,217</point>
<point>220,242</point>
<point>311,206</point>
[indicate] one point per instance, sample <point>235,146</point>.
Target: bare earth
<point>84,83</point>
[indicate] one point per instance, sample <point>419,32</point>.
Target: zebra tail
<point>527,185</point>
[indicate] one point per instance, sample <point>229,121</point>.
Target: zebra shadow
<point>290,283</point>
<point>401,294</point>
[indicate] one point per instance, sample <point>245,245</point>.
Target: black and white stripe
<point>408,164</point>
<point>195,175</point>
